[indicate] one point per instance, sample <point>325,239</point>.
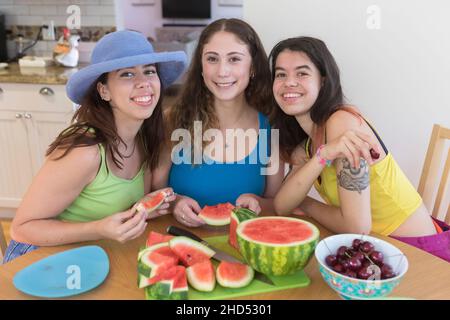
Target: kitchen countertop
<point>31,75</point>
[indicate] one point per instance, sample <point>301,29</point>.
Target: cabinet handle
<point>27,115</point>
<point>46,91</point>
<point>19,115</point>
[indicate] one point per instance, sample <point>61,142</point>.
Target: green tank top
<point>104,196</point>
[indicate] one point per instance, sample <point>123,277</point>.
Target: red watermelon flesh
<point>201,276</point>
<point>190,251</point>
<point>276,231</point>
<point>218,215</point>
<point>175,273</point>
<point>151,203</point>
<point>234,274</point>
<point>155,238</point>
<point>163,255</point>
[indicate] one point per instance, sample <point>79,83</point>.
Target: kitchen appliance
<point>3,48</point>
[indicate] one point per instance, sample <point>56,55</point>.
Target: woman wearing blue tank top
<point>220,136</point>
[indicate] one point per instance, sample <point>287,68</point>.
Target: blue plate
<point>64,274</point>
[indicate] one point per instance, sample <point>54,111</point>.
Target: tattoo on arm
<point>354,179</point>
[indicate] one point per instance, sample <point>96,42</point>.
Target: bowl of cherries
<point>360,266</point>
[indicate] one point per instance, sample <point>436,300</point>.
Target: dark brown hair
<point>329,100</point>
<point>95,113</point>
<point>195,102</point>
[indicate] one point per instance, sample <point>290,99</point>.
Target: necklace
<point>132,152</point>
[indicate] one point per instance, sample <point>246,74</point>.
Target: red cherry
<point>341,252</point>
<point>331,260</point>
<point>375,155</point>
<point>354,264</point>
<point>338,268</point>
<point>367,247</point>
<point>376,257</point>
<point>356,243</point>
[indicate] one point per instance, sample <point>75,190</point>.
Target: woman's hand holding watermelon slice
<point>249,201</point>
<point>186,210</point>
<point>122,226</point>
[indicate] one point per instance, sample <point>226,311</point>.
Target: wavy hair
<point>195,102</point>
<point>330,98</point>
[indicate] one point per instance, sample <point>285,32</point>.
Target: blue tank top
<point>217,182</point>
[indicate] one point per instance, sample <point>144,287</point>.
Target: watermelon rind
<point>198,284</point>
<point>277,259</point>
<point>215,221</point>
<point>243,282</point>
<point>238,215</point>
<point>194,245</point>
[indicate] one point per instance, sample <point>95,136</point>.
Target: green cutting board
<point>296,280</point>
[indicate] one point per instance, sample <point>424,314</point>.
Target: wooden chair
<point>431,171</point>
<point>2,243</point>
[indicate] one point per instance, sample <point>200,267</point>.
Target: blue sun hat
<point>123,49</point>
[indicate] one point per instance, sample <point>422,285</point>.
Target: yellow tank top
<point>392,197</point>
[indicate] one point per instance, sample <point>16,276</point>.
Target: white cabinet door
<point>45,127</point>
<point>16,158</point>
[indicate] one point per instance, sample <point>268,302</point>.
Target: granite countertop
<point>48,75</point>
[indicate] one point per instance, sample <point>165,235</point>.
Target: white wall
<point>398,75</point>
<point>146,18</point>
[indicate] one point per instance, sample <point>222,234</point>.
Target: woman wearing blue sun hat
<point>101,165</point>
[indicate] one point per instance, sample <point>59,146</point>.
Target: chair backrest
<point>431,171</point>
<point>2,243</point>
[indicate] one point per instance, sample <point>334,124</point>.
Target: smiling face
<point>132,92</point>
<point>226,65</point>
<point>297,82</point>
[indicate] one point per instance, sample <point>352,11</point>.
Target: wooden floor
<point>5,225</point>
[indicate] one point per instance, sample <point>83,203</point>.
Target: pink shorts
<point>437,244</point>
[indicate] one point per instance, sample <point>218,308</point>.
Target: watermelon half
<point>277,245</point>
<point>238,215</point>
<point>190,251</point>
<point>234,274</point>
<point>218,215</point>
<point>151,203</point>
<point>201,276</point>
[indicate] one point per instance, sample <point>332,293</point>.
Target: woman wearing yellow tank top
<point>330,145</point>
<point>99,167</point>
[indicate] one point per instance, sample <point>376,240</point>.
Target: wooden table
<point>428,277</point>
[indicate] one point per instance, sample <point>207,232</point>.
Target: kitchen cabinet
<point>31,116</point>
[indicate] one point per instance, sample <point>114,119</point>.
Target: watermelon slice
<point>234,274</point>
<point>155,238</point>
<point>158,256</point>
<point>151,203</point>
<point>190,251</point>
<point>201,276</point>
<point>168,284</point>
<point>218,215</point>
<point>277,245</point>
<point>237,216</point>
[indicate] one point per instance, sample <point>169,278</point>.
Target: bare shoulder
<point>83,160</point>
<point>343,120</point>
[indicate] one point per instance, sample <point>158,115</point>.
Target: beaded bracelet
<point>322,161</point>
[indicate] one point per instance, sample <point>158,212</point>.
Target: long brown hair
<point>93,123</point>
<point>195,102</point>
<point>330,98</point>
